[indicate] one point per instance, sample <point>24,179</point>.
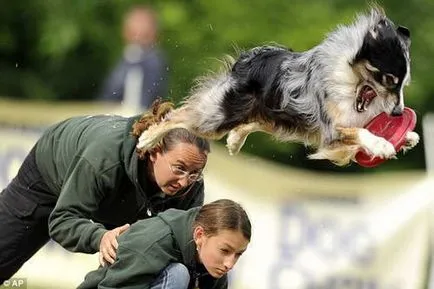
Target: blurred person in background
<point>178,250</point>
<point>85,181</point>
<point>141,75</point>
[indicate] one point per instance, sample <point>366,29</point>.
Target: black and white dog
<point>322,97</point>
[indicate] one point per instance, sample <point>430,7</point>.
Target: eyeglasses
<point>178,171</point>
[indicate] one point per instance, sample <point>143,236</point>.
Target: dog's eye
<point>389,80</point>
<point>378,76</point>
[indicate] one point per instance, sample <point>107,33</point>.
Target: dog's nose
<point>397,110</point>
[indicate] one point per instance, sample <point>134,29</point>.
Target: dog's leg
<point>411,140</point>
<point>238,135</point>
<point>349,141</point>
<point>372,144</point>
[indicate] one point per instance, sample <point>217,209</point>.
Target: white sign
<point>428,139</point>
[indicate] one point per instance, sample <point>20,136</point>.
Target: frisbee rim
<point>408,121</point>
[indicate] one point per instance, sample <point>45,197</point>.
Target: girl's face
<point>219,253</point>
<point>177,168</point>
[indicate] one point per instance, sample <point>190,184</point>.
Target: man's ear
<point>153,154</point>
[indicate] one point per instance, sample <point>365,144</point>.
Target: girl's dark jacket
<point>147,247</point>
<point>97,181</point>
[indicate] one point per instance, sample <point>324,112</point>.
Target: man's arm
<point>113,86</point>
<point>70,222</point>
<point>154,83</point>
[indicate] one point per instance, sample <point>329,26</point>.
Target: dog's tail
<point>205,101</point>
<point>212,80</point>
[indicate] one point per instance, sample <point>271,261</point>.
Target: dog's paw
<point>377,146</point>
<point>382,148</point>
<point>411,140</point>
<point>234,142</point>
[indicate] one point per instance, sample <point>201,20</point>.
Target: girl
<point>178,249</point>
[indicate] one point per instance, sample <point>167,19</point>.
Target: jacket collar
<point>132,162</point>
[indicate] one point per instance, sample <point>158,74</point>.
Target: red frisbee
<point>393,129</point>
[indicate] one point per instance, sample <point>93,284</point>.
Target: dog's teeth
<point>364,104</point>
<point>360,106</point>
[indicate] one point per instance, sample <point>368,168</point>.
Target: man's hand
<point>109,245</point>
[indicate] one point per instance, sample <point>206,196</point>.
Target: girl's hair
<point>156,114</point>
<point>223,214</point>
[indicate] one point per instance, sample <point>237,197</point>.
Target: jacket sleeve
<point>133,270</point>
<point>70,222</point>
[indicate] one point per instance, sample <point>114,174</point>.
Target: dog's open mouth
<point>366,95</point>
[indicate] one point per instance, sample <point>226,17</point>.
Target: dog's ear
<point>404,32</point>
